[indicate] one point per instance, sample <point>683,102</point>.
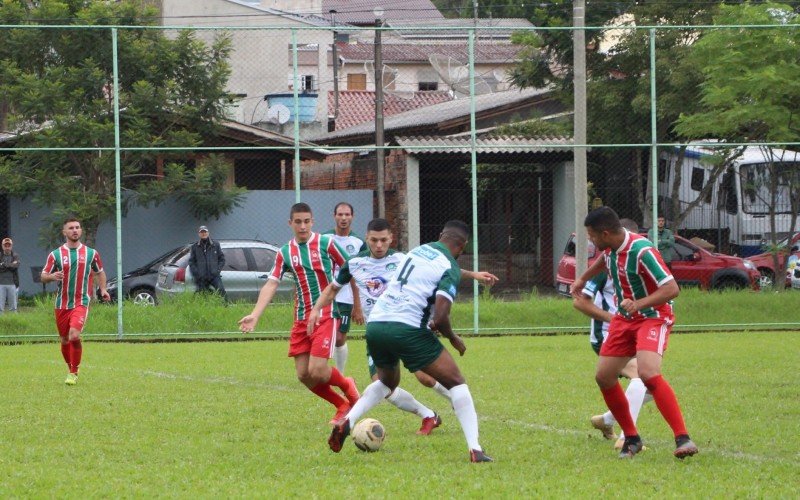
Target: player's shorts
<point>373,370</point>
<point>626,336</point>
<point>71,318</point>
<point>320,344</point>
<point>596,347</point>
<point>343,312</point>
<point>390,342</point>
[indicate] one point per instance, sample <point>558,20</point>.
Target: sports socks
<point>466,414</point>
<point>66,353</point>
<point>441,390</point>
<point>667,403</point>
<point>406,402</point>
<point>326,392</point>
<point>372,395</point>
<point>637,396</point>
<point>340,353</point>
<point>76,349</point>
<point>618,404</point>
<point>337,379</point>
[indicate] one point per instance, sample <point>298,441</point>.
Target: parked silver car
<point>247,263</point>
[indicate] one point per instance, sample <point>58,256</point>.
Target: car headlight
<point>749,265</point>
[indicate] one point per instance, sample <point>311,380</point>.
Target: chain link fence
<point>147,133</point>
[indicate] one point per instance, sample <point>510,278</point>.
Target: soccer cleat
<point>341,430</point>
<point>341,412</point>
<point>429,424</point>
<point>685,447</point>
<point>600,424</point>
<point>619,443</point>
<point>631,447</point>
<point>478,456</point>
<point>351,393</point>
<point>72,379</point>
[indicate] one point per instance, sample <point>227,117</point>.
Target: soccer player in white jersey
<point>347,307</point>
<point>371,270</point>
<point>598,301</point>
<point>399,328</point>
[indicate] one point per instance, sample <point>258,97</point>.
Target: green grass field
<point>228,419</point>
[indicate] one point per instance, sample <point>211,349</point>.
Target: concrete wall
<point>563,210</point>
<point>148,233</point>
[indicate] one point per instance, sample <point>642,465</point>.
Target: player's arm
<point>585,305</point>
<point>666,292</point>
<point>441,322</point>
<point>486,278</point>
<point>357,315</point>
<point>249,322</point>
<point>100,276</point>
<point>50,272</point>
<point>325,299</point>
<point>597,267</point>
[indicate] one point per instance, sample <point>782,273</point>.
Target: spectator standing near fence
<point>347,306</point>
<point>206,261</point>
<point>9,277</point>
<point>74,266</point>
<point>666,240</point>
<point>311,257</point>
<point>644,289</point>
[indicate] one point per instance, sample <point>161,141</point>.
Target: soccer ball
<point>368,435</point>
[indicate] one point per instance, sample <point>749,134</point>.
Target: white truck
<point>734,212</point>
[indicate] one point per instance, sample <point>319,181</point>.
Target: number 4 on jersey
<point>405,272</point>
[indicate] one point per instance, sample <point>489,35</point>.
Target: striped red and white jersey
<point>638,270</point>
<point>312,263</point>
<point>78,264</point>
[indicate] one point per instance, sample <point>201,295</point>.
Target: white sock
<point>406,402</point>
<point>609,419</point>
<point>340,357</point>
<point>466,414</point>
<point>441,390</point>
<point>372,395</point>
<point>637,395</point>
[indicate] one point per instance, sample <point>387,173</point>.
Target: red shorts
<point>71,318</point>
<point>320,344</point>
<point>626,336</point>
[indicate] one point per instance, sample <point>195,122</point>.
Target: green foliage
<point>59,86</point>
<point>230,419</point>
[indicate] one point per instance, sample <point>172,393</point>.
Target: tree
<point>751,93</point>
<point>58,87</point>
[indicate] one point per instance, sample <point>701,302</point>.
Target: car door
<point>685,264</point>
<point>236,277</point>
<point>263,260</point>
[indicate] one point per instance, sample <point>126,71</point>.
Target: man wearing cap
<point>9,277</point>
<point>206,261</point>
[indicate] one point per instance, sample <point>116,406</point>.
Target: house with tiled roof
<point>358,106</point>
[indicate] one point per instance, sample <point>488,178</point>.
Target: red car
<point>692,266</point>
<point>766,266</point>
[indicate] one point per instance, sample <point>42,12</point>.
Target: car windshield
<point>178,255</point>
<point>160,259</point>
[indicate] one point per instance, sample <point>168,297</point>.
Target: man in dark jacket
<point>206,260</point>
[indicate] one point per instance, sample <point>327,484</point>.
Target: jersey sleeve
<point>279,268</point>
<point>97,262</point>
<point>448,285</point>
<point>343,277</point>
<point>595,285</point>
<point>337,255</point>
<point>51,264</point>
<point>653,265</point>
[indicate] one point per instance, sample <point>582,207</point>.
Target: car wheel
<point>144,297</point>
<point>729,284</point>
<point>767,277</point>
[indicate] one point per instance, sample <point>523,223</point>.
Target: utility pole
<point>379,153</point>
<point>335,56</point>
<point>579,150</point>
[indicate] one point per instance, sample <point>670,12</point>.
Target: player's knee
<point>425,379</point>
<point>648,372</point>
<point>605,379</point>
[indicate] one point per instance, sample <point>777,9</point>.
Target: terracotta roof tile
<point>398,53</point>
<point>358,106</point>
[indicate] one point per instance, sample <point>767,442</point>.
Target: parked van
<point>737,207</point>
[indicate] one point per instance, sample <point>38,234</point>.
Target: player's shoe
<point>429,424</point>
<point>351,392</point>
<point>341,430</point>
<point>619,443</point>
<point>600,424</point>
<point>341,412</point>
<point>478,456</point>
<point>72,379</point>
<point>631,447</point>
<point>685,447</point>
